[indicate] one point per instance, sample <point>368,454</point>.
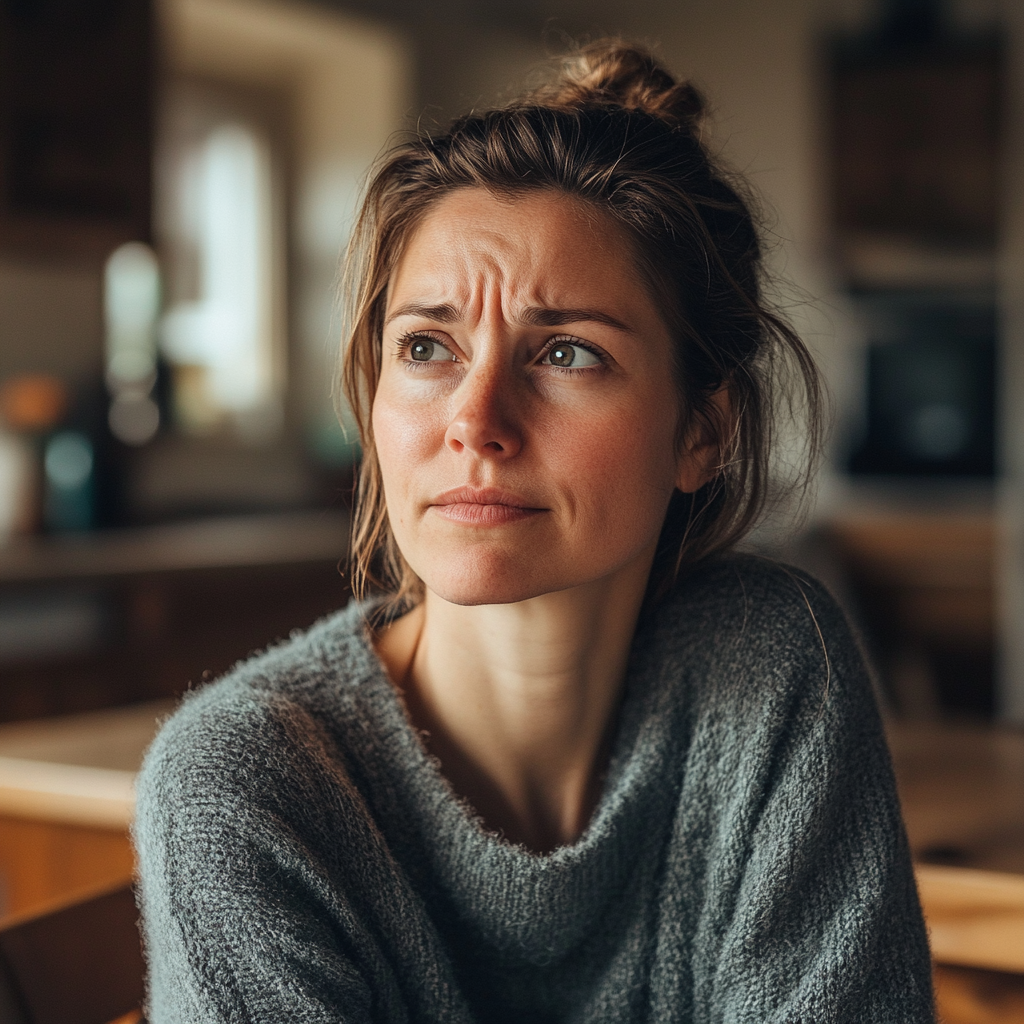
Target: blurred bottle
<point>69,466</point>
<point>125,411</point>
<point>131,307</point>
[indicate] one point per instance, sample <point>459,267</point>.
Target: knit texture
<point>302,858</point>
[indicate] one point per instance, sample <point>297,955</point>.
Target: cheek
<point>394,440</point>
<point>623,463</point>
<point>402,435</point>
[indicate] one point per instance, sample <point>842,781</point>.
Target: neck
<point>518,700</point>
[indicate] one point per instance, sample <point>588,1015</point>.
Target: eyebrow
<point>540,316</point>
<point>532,316</point>
<point>443,313</point>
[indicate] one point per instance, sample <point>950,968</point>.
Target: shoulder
<point>740,584</point>
<point>754,629</point>
<point>748,597</point>
<point>247,735</point>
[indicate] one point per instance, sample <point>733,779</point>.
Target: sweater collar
<point>523,906</point>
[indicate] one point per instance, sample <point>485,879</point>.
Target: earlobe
<point>701,458</point>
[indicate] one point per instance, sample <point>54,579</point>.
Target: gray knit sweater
<point>303,859</point>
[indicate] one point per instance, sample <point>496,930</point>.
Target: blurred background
<point>177,179</point>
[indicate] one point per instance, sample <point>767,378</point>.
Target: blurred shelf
<point>264,540</point>
<point>887,261</point>
<point>918,565</point>
<point>915,548</point>
<point>938,567</point>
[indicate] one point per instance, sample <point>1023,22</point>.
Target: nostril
<point>494,446</point>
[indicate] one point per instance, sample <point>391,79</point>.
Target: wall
<point>461,66</point>
<point>759,67</point>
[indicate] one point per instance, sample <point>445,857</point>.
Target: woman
<point>579,762</point>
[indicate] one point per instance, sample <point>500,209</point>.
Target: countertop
<point>216,543</point>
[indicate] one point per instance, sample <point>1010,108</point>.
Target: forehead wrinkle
<point>490,269</point>
<point>474,272</point>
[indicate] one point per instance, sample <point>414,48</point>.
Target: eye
<point>564,353</point>
<point>426,350</point>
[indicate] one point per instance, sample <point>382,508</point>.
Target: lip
<point>483,506</point>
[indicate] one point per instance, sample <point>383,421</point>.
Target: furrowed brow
<point>443,313</point>
<point>541,316</point>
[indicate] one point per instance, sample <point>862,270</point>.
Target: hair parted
<point>615,130</point>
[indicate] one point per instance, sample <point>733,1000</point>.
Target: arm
<point>244,917</point>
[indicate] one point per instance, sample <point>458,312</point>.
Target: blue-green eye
<point>565,354</point>
<point>424,350</point>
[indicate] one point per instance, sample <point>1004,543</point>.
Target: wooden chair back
<point>78,964</point>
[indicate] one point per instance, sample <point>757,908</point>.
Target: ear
<point>700,459</point>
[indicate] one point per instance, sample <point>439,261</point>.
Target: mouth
<point>483,506</point>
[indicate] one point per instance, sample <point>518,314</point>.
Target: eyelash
<point>405,341</point>
<point>575,371</point>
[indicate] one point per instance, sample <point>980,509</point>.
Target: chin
<point>494,584</point>
<point>480,591</point>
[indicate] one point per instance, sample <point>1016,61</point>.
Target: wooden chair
<point>80,963</point>
<point>976,925</point>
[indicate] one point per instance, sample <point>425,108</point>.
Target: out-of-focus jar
<point>31,406</point>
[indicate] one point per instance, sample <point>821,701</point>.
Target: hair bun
<point>610,72</point>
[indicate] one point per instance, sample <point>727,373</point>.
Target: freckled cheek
<point>621,468</point>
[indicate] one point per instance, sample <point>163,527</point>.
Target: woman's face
<point>525,420</point>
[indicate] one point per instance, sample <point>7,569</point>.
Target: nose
<point>485,421</point>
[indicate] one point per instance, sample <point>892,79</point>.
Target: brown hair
<point>615,130</point>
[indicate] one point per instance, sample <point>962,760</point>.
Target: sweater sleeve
<point>811,907</point>
<point>245,912</point>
